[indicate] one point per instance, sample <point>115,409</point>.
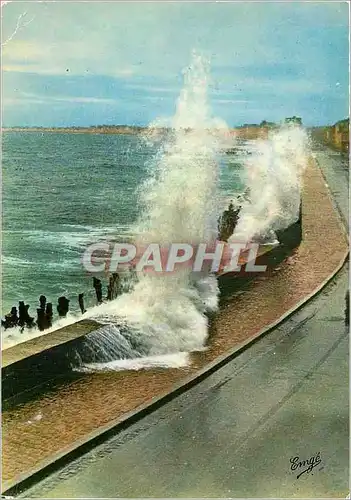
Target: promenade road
<point>235,433</point>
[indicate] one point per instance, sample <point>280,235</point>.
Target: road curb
<point>343,219</point>
<point>97,437</point>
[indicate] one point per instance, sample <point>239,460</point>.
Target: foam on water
<point>16,335</point>
<point>176,360</point>
<point>16,261</point>
<point>164,316</point>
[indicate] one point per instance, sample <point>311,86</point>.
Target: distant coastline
<point>98,129</point>
<point>254,128</point>
<point>116,129</point>
<point>336,136</point>
<point>246,131</point>
<point>243,132</point>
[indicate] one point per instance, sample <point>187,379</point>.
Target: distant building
<point>294,120</point>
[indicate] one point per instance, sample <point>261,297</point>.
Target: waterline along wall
<point>169,313</point>
<point>43,362</point>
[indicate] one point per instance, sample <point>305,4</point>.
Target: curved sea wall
<point>45,361</point>
<point>166,314</point>
<point>107,399</point>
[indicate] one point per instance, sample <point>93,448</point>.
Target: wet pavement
<point>335,168</point>
<point>235,434</point>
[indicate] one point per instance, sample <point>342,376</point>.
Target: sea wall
<point>43,362</point>
<point>98,401</point>
<point>289,239</point>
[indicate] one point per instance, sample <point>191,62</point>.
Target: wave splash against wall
<point>166,314</point>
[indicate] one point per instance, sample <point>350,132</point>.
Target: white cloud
<point>14,101</point>
<point>158,90</point>
<point>147,44</point>
<point>87,100</point>
<point>279,85</point>
<point>26,98</point>
<point>230,101</point>
<point>127,38</point>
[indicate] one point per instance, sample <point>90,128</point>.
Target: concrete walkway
<point>335,168</point>
<point>234,434</point>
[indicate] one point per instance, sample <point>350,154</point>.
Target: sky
<point>87,63</point>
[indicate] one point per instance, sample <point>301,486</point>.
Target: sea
<point>62,191</point>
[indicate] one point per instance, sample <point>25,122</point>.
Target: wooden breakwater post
<point>41,319</point>
<point>98,289</point>
<point>42,301</point>
<point>228,221</point>
<point>81,303</point>
<point>113,286</point>
<point>24,318</point>
<point>62,307</point>
<point>44,313</point>
<point>11,319</point>
<point>49,314</point>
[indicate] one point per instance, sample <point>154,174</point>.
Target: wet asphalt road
<point>336,172</point>
<point>234,434</point>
